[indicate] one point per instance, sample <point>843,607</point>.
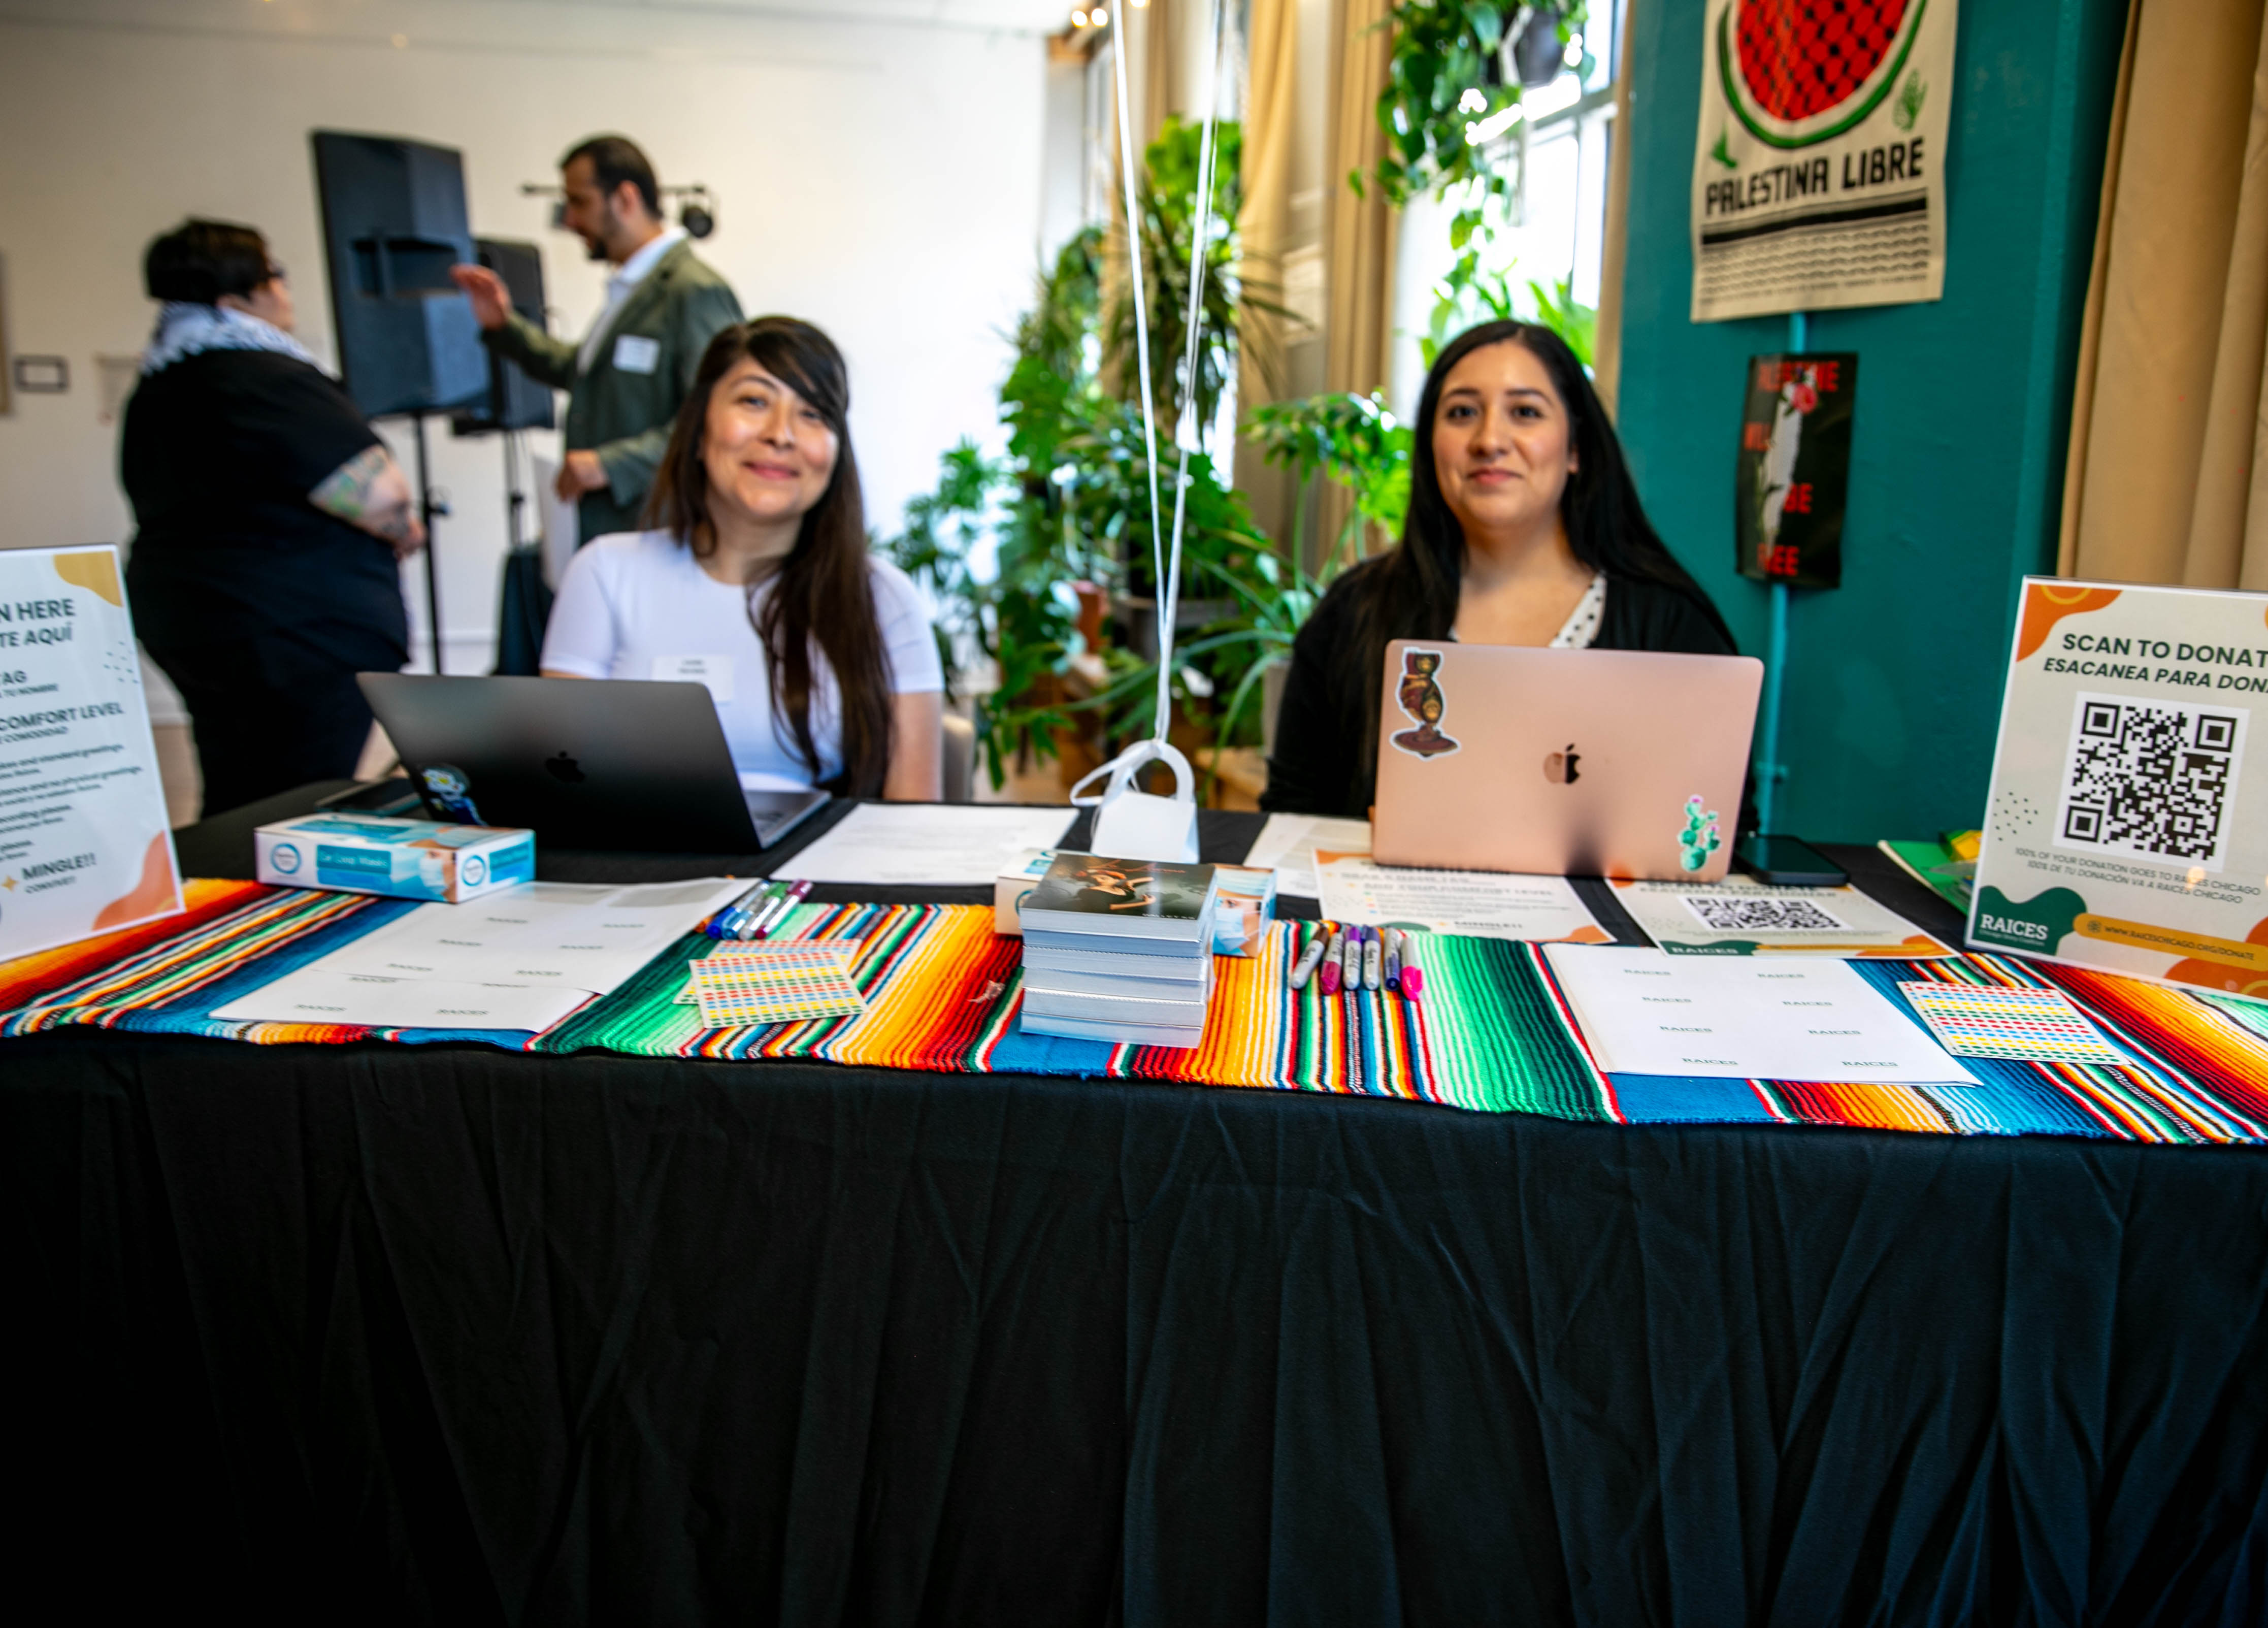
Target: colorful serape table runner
<point>1492,1035</point>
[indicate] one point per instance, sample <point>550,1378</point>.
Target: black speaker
<point>512,400</point>
<point>393,223</point>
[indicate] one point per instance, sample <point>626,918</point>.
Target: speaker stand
<point>429,509</point>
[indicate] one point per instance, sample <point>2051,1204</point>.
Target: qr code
<point>2155,779</point>
<point>1722,914</point>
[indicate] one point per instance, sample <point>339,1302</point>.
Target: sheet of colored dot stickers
<point>746,985</point>
<point>1996,1021</point>
<point>1739,917</point>
<point>84,844</point>
<point>2123,830</point>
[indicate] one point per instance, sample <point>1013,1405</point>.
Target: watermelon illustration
<point>1797,71</point>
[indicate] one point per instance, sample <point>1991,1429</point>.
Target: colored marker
<point>1329,978</point>
<point>778,914</point>
<point>1394,958</point>
<point>1413,979</point>
<point>726,922</point>
<point>1374,960</point>
<point>1351,979</point>
<point>744,922</point>
<point>720,924</point>
<point>1309,959</point>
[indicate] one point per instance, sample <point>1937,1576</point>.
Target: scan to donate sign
<point>1818,177</point>
<point>2124,831</point>
<point>83,847</point>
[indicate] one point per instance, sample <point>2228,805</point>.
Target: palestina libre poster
<point>1818,163</point>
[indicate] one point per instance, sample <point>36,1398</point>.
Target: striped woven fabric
<point>1493,1034</point>
<point>944,993</point>
<point>171,983</point>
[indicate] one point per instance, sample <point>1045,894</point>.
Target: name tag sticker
<point>714,671</point>
<point>635,353</point>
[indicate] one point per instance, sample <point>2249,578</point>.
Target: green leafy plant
<point>1002,541</point>
<point>1353,440</point>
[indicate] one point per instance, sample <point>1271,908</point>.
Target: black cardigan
<point>1317,765</point>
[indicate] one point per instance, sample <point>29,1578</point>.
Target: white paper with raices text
<point>1645,1012</point>
<point>85,848</point>
<point>1476,904</point>
<point>2125,830</point>
<point>525,957</point>
<point>926,844</point>
<point>1819,157</point>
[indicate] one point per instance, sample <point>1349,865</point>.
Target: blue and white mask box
<point>400,858</point>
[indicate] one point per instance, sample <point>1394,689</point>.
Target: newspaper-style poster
<point>1818,167</point>
<point>2125,830</point>
<point>1794,478</point>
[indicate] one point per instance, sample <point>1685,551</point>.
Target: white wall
<point>879,174</point>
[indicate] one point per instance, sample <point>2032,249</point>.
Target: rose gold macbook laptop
<point>1566,762</point>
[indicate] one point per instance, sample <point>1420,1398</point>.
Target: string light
<point>1098,17</point>
<point>1078,19</point>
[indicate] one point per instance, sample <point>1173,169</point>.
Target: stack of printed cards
<point>2015,1025</point>
<point>741,988</point>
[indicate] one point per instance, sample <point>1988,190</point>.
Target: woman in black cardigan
<point>1524,528</point>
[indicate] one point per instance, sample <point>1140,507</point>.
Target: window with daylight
<point>1548,245</point>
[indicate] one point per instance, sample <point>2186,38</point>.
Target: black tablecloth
<point>392,1334</point>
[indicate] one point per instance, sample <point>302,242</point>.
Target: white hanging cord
<point>1169,607</point>
<point>1134,267</point>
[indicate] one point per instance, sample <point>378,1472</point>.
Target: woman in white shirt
<point>755,580</point>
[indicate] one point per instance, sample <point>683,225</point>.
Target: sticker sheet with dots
<point>2017,1025</point>
<point>774,984</point>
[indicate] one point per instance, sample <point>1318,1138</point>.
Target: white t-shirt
<point>637,605</point>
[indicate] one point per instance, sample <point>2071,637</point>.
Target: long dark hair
<point>1411,590</point>
<point>821,591</point>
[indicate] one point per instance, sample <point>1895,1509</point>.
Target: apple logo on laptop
<point>563,768</point>
<point>1559,767</point>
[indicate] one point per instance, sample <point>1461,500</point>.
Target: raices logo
<point>1800,72</point>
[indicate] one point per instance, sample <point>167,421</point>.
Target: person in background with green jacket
<point>627,378</point>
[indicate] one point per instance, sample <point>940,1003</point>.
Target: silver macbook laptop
<point>624,764</point>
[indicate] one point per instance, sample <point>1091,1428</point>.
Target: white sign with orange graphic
<point>2126,831</point>
<point>83,846</point>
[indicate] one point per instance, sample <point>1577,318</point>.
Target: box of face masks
<point>402,858</point>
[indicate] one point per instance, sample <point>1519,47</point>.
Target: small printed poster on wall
<point>1794,471</point>
<point>1818,167</point>
<point>2125,830</point>
<point>84,844</point>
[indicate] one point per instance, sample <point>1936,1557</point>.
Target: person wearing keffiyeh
<point>270,518</point>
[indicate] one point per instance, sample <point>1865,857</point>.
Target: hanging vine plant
<point>1445,83</point>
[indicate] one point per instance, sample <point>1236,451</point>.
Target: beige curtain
<point>1264,226</point>
<point>1607,352</point>
<point>1157,59</point>
<point>1359,262</point>
<point>2164,480</point>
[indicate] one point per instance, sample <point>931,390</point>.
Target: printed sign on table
<point>1818,166</point>
<point>1794,472</point>
<point>2124,830</point>
<point>84,845</point>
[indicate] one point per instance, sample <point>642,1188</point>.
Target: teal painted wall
<point>1894,679</point>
